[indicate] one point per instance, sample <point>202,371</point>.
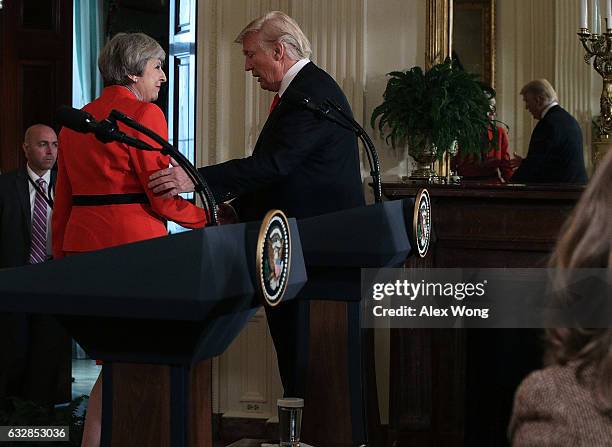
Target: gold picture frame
<point>439,31</point>
<point>472,24</point>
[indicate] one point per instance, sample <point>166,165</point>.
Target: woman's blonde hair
<point>585,243</point>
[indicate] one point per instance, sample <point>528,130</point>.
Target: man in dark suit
<point>17,195</point>
<point>301,163</point>
<point>34,349</point>
<point>555,149</point>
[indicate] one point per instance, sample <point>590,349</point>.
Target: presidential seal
<point>421,222</point>
<point>273,256</point>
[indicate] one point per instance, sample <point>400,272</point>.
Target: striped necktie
<point>38,246</point>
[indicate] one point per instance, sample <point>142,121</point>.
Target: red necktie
<point>274,102</point>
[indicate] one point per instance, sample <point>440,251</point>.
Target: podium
<point>341,403</point>
<point>152,310</point>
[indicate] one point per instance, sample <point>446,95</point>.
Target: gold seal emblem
<point>273,256</point>
<point>421,222</point>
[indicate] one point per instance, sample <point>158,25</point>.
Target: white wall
<point>395,41</point>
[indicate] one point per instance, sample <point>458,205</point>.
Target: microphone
<point>105,131</point>
<point>323,111</point>
<point>299,99</point>
<point>77,120</point>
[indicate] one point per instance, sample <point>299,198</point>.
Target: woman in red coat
<point>495,164</point>
<point>101,195</point>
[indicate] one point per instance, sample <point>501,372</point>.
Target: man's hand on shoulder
<point>169,182</point>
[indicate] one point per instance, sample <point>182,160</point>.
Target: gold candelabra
<point>599,48</point>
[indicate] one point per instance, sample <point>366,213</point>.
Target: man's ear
<point>278,51</point>
<point>542,101</point>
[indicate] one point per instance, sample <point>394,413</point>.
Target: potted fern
<point>432,111</point>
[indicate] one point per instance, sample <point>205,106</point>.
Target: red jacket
<point>498,157</point>
<point>89,167</point>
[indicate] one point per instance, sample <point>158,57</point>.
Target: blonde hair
<point>276,26</point>
<point>585,242</point>
<point>127,54</point>
<point>541,87</point>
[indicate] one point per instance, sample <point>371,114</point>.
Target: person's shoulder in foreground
<point>555,407</point>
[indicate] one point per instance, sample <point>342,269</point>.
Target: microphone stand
<point>201,187</point>
<point>323,111</point>
<point>370,150</point>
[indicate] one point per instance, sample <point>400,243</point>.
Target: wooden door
<point>35,69</point>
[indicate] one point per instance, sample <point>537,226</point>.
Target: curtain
<point>87,41</point>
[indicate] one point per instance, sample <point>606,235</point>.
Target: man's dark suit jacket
<point>15,218</point>
<point>34,349</point>
<point>305,166</point>
<point>555,151</point>
<point>301,163</point>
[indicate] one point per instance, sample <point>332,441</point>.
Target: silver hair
<point>127,54</point>
<point>540,87</point>
<point>276,26</point>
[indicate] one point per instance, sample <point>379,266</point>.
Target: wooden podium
<point>155,311</point>
<point>455,387</point>
<point>340,401</point>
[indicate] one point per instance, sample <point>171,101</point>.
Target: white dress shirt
<point>548,107</point>
<point>291,73</point>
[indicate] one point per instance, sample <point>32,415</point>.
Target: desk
<point>455,387</point>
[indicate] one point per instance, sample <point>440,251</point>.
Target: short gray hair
<point>276,26</point>
<point>127,54</point>
<point>540,87</point>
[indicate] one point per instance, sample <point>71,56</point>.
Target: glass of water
<point>290,420</point>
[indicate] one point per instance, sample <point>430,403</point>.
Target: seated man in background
<point>495,164</point>
<point>555,149</point>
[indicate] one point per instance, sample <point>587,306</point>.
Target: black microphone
<point>299,99</point>
<point>105,131</point>
<point>323,111</point>
<point>75,119</point>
